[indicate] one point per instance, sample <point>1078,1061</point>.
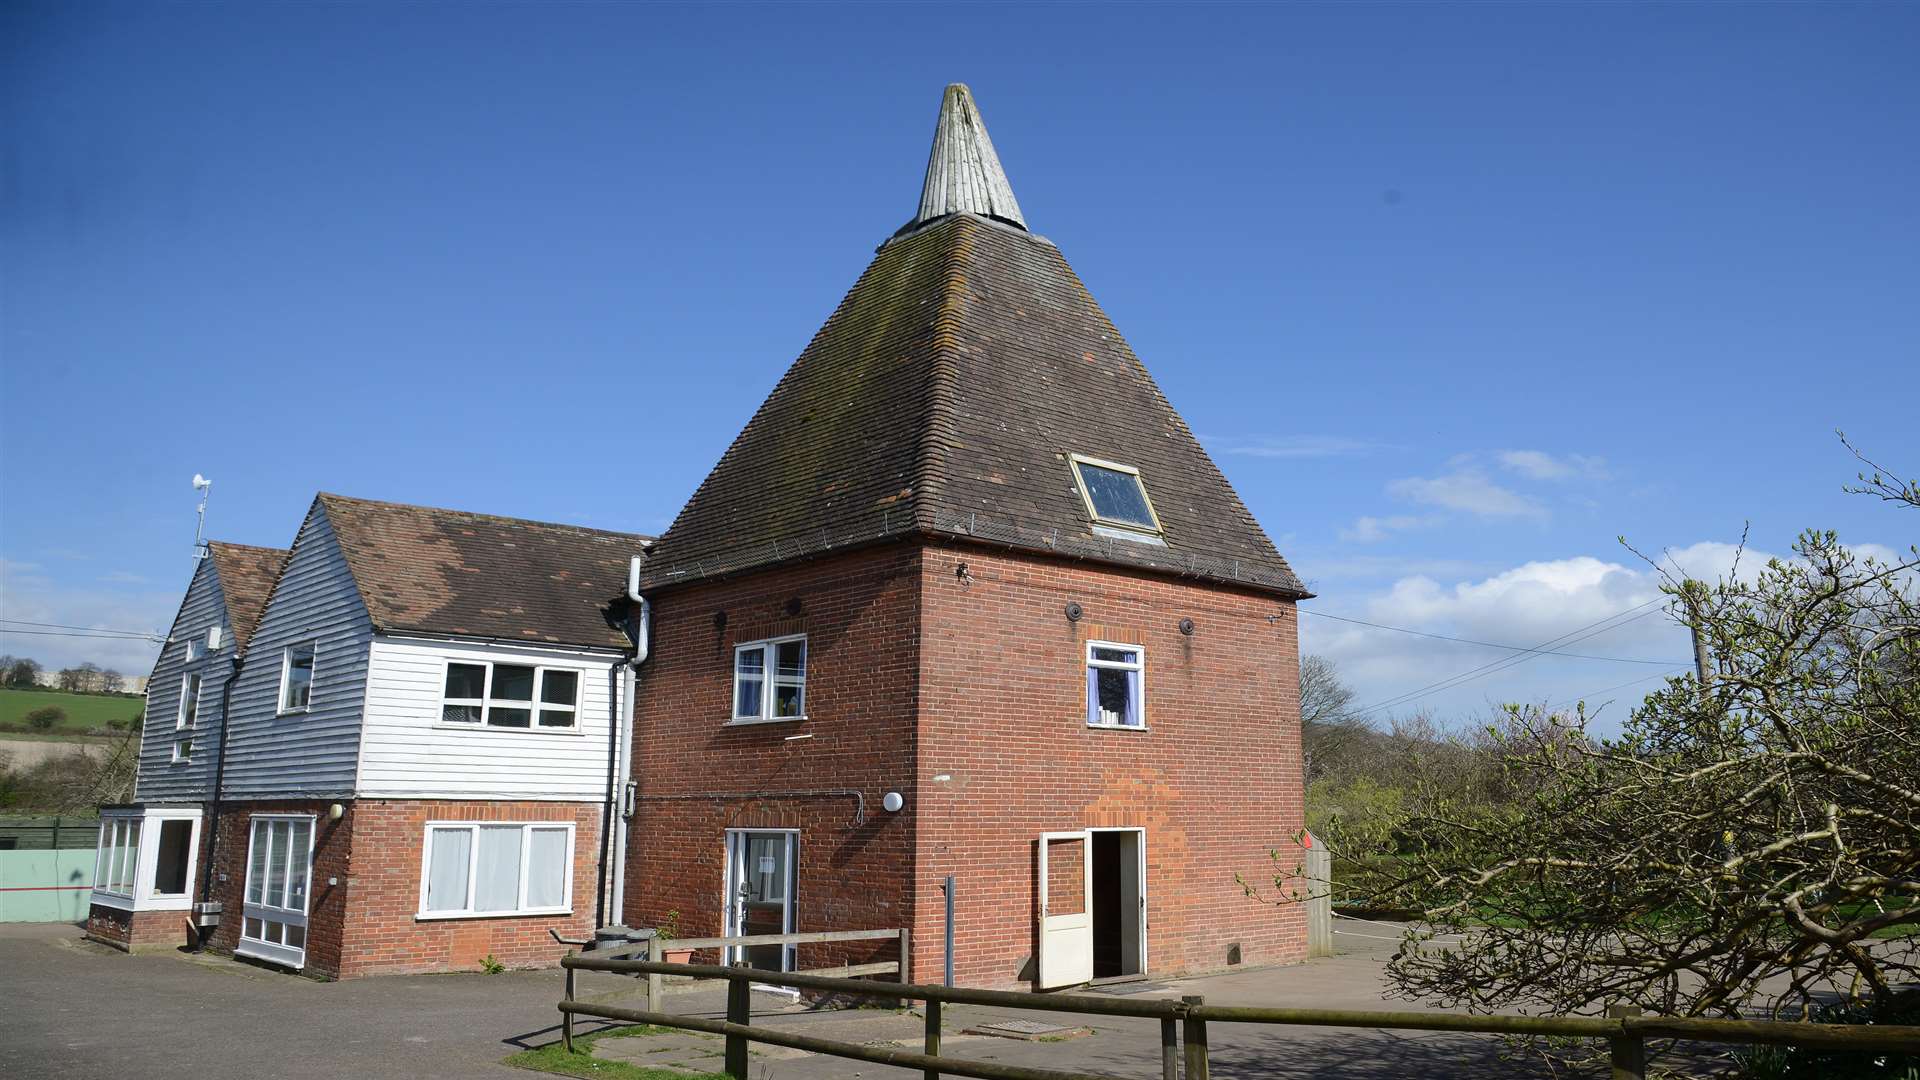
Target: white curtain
<point>496,886</point>
<point>546,868</point>
<point>447,873</point>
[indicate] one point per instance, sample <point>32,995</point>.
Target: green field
<point>85,712</point>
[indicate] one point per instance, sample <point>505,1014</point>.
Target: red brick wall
<point>384,934</point>
<point>1215,779</point>
<point>139,931</point>
<point>860,614</point>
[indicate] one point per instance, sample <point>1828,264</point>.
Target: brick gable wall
<point>1215,779</point>
<point>860,614</point>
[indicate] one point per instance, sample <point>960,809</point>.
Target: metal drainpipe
<point>211,848</point>
<point>642,635</point>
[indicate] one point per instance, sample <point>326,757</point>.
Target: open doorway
<point>1119,902</point>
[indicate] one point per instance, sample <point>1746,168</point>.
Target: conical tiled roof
<point>944,397</point>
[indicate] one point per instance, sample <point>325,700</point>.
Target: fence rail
<point>1183,1023</point>
<point>656,950</point>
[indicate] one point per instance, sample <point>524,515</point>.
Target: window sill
<point>534,913</point>
<point>447,725</point>
<point>112,900</point>
<point>765,720</point>
<point>1119,532</point>
<point>284,955</point>
<point>1116,727</point>
<point>303,710</point>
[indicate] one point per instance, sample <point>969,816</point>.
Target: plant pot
<point>677,956</point>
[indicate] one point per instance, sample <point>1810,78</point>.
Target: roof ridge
<point>498,519</point>
<point>245,547</point>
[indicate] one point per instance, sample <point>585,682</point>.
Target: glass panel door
<point>760,870</point>
<point>279,866</point>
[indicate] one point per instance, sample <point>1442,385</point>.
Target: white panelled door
<point>279,869</point>
<point>1066,912</point>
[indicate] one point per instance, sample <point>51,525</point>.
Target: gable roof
<point>246,575</point>
<point>454,573</point>
<point>944,397</point>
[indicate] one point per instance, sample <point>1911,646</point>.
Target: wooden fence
<point>1183,1023</point>
<point>657,949</point>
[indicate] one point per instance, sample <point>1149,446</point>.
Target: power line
<point>1620,686</point>
<point>151,638</point>
<point>89,629</point>
<point>1601,626</point>
<point>1487,644</point>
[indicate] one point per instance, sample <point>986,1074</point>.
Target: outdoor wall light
<point>891,802</point>
<point>1074,611</point>
<point>1186,627</point>
<point>336,812</point>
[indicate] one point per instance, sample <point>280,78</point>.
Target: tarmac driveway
<point>77,1010</point>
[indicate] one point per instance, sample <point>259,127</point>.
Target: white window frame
<point>486,700</point>
<point>1125,530</point>
<point>769,678</point>
<point>129,874</point>
<point>1139,665</point>
<point>184,720</point>
<point>286,680</point>
<point>182,752</point>
<point>196,648</point>
<point>473,868</point>
<point>260,948</point>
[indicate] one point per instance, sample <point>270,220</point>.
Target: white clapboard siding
<point>311,753</point>
<point>407,752</point>
<point>159,779</point>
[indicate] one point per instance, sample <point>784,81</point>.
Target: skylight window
<point>1114,495</point>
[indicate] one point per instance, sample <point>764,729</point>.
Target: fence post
<point>1169,1049</point>
<point>739,1011</point>
<point>656,982</point>
<point>933,1038</point>
<point>1196,1040</point>
<point>1628,1050</point>
<point>906,954</point>
<point>566,1018</point>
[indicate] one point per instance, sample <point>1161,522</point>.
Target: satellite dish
<point>200,482</point>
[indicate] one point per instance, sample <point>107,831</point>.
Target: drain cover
<point>1028,1029</point>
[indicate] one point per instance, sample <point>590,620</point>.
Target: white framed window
<point>770,680</point>
<point>1116,685</point>
<point>196,648</point>
<point>189,701</point>
<point>470,869</point>
<point>1116,498</point>
<point>493,694</point>
<point>182,751</point>
<point>116,862</point>
<point>279,872</point>
<point>296,676</point>
<point>145,858</point>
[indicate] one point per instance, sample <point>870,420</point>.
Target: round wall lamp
<point>336,812</point>
<point>891,802</point>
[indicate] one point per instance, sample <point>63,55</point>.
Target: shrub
<point>46,719</point>
<point>1795,1062</point>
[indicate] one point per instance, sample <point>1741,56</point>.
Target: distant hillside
<point>85,712</point>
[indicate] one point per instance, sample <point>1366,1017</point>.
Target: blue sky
<point>1456,295</point>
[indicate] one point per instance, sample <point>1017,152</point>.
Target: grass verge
<point>581,1062</point>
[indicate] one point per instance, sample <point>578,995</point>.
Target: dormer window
<point>1116,499</point>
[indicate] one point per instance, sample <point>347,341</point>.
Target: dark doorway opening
<point>1115,895</point>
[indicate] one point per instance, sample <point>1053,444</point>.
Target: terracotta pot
<point>677,956</point>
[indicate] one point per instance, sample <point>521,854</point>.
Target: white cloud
<point>1297,446</point>
<point>32,596</point>
<point>1540,465</point>
<point>1372,530</point>
<point>1467,490</point>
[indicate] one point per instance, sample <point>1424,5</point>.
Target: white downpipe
<point>623,724</point>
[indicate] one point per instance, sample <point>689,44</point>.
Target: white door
<point>1065,874</point>
<point>760,876</point>
<point>279,864</point>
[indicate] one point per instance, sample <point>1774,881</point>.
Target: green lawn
<point>554,1058</point>
<point>85,712</point>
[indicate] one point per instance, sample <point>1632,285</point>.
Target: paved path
<point>81,1011</point>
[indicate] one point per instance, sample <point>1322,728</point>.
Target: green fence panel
<point>45,885</point>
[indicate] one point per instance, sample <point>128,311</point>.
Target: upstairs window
<point>296,677</point>
<point>196,648</point>
<point>1116,685</point>
<point>1115,497</point>
<point>511,695</point>
<point>770,680</point>
<point>189,701</point>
